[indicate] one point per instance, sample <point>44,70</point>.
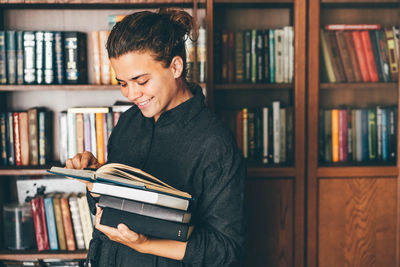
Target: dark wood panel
<point>335,172</point>
<point>357,222</point>
<point>270,223</point>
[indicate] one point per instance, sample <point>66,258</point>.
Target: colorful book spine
<point>11,57</point>
<point>59,57</point>
<point>10,138</point>
<point>100,138</point>
<point>39,220</point>
<point>67,222</point>
<point>335,135</point>
<point>3,138</point>
<point>51,222</point>
<point>24,137</point>
<point>33,137</point>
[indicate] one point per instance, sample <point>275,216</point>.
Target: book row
<point>367,55</point>
<point>264,135</point>
<point>87,129</point>
<point>359,135</point>
<point>26,137</point>
<point>43,57</point>
<point>44,263</point>
<point>62,221</point>
<point>254,56</point>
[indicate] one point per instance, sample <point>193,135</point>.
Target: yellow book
<point>335,135</point>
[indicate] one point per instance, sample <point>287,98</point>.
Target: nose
<point>134,91</point>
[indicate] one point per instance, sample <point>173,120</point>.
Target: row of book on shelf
<point>360,53</point>
<point>27,136</point>
<point>254,56</point>
<point>144,203</point>
<point>44,263</point>
<point>62,221</point>
<point>358,134</point>
<point>264,135</point>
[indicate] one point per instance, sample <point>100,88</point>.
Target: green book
<point>372,138</point>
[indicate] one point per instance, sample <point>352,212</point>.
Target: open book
<point>124,175</point>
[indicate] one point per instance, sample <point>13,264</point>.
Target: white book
<point>71,117</point>
<point>279,55</point>
<point>291,53</point>
<point>93,137</point>
<point>76,221</point>
<point>276,128</point>
<point>63,137</point>
<point>265,134</point>
<point>89,110</point>
<point>86,220</point>
<point>141,195</point>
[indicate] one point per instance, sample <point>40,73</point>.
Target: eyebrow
<point>133,78</point>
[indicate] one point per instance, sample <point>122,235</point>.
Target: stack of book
<point>139,200</point>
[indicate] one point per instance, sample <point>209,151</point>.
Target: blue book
<point>11,57</point>
<point>51,222</point>
<point>20,56</point>
<point>384,134</point>
<point>3,58</point>
<point>272,55</point>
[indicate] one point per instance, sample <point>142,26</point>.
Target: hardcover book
<point>128,182</point>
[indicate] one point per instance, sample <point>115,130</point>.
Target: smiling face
<point>148,84</point>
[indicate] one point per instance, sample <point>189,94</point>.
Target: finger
<point>86,159</point>
<point>76,161</point>
<point>68,164</point>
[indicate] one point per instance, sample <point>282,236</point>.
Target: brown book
<point>33,137</point>
<point>17,139</point>
<point>24,137</point>
<point>393,61</point>
<point>79,133</point>
<point>345,56</point>
<point>239,129</point>
<point>348,37</point>
<point>224,57</point>
<point>239,67</point>
<point>336,60</point>
<point>231,57</point>
<point>105,66</point>
<point>67,222</point>
<point>59,222</point>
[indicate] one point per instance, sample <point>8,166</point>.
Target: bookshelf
<point>276,226</point>
<point>352,207</point>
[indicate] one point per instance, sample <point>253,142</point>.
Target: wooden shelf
<point>253,1</point>
<point>254,86</point>
<point>35,255</point>
<point>106,2</point>
<point>351,172</point>
<point>359,1</point>
<point>271,172</point>
<point>358,86</point>
<point>68,87</point>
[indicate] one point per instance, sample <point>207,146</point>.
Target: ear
<point>177,66</point>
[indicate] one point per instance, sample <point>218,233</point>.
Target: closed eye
<point>122,84</point>
<point>143,83</point>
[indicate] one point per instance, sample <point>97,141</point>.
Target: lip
<point>144,104</point>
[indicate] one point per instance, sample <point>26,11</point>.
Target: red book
<point>352,27</point>
<point>348,37</point>
<point>39,221</point>
<point>17,140</point>
<point>362,62</point>
<point>343,131</point>
<point>369,55</point>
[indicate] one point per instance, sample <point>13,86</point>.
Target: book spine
<point>265,116</point>
<point>94,36</point>
<point>374,36</point>
<point>335,135</point>
<point>144,209</point>
<point>11,57</point>
<point>79,133</point>
<point>59,57</point>
<point>335,56</point>
<point>251,134</point>
<point>100,138</point>
<point>253,56</point>
<point>379,133</point>
<point>20,56</point>
<point>328,135</point>
<point>239,129</point>
<point>86,220</point>
<point>10,139</point>
<point>239,60</point>
<point>276,130</point>
<point>359,136</point>
<point>71,118</point>
<point>260,56</point>
<point>76,222</point>
<point>17,141</point>
<point>33,137</point>
<point>3,58</point>
<point>202,55</point>
<point>282,136</point>
<point>362,62</point>
<point>384,134</point>
<point>44,122</point>
<point>63,137</point>
<point>105,75</point>
<point>29,58</point>
<point>327,58</point>
<point>146,225</point>
<point>349,115</point>
<point>24,137</point>
<point>59,223</point>
<point>271,62</point>
<point>372,139</point>
<point>392,137</point>
<point>338,27</point>
<point>39,39</point>
<point>93,134</point>
<point>49,58</point>
<point>51,223</point>
<point>266,55</point>
<point>245,133</point>
<point>231,56</point>
<point>348,37</point>
<point>345,56</point>
<point>39,221</point>
<point>278,55</point>
<point>105,136</point>
<point>86,130</point>
<point>67,222</point>
<point>3,138</point>
<point>247,55</point>
<point>343,141</point>
<point>369,56</point>
<point>75,57</point>
<point>364,135</point>
<point>393,60</point>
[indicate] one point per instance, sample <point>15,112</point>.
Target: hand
<point>121,234</point>
<point>83,160</point>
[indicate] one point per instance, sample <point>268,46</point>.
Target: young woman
<point>169,133</point>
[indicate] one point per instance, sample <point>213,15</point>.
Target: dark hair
<point>162,33</point>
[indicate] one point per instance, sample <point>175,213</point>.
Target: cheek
<point>124,91</point>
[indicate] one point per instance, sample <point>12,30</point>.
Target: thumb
<point>126,232</point>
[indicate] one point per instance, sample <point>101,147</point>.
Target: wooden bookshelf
<point>349,204</point>
<point>34,255</point>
